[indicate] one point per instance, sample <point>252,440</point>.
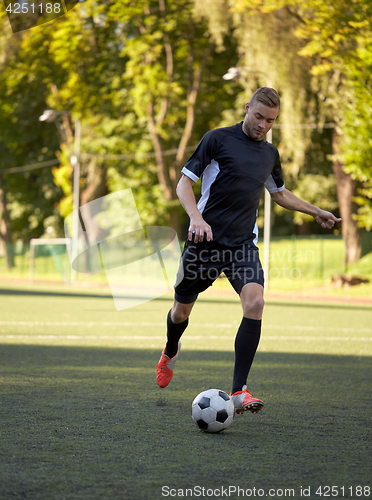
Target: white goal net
<point>50,249</point>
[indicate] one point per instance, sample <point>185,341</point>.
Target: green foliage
<point>314,187</point>
<point>356,144</point>
<point>335,44</point>
<point>106,64</point>
<point>62,176</point>
<point>269,56</point>
<point>31,196</point>
<point>148,194</point>
<point>173,87</point>
<point>145,77</point>
<point>342,37</point>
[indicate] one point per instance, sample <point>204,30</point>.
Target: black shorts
<point>201,264</point>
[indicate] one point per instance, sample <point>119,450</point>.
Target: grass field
<point>83,418</point>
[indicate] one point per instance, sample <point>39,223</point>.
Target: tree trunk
<point>346,190</point>
<point>175,221</point>
<point>5,231</point>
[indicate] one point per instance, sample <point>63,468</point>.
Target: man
<point>235,163</point>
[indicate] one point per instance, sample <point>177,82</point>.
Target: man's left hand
<point>326,219</point>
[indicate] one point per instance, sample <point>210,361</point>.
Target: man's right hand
<point>197,228</point>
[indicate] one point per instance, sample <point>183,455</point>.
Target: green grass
<point>83,418</point>
<point>310,262</point>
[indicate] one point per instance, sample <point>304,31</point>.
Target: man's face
<point>258,120</point>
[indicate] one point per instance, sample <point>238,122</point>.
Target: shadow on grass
<point>51,356</point>
<point>87,423</point>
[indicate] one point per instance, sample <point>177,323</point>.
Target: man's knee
<point>253,307</point>
<point>180,312</point>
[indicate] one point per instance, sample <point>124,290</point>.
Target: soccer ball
<point>212,410</point>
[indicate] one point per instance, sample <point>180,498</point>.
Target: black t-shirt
<point>234,170</point>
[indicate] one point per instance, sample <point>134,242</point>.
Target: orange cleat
<point>244,401</point>
<point>165,367</point>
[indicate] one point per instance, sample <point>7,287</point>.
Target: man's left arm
<point>288,200</point>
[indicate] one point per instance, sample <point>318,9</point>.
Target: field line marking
<point>192,337</point>
<point>198,325</point>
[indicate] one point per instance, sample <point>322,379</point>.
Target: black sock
<point>246,343</point>
<point>174,333</point>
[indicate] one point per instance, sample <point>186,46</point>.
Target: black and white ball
<point>212,410</point>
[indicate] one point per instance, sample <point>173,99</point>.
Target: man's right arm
<point>198,226</point>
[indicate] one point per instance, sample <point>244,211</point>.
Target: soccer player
<point>235,164</point>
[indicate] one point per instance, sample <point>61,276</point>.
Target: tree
<point>332,83</point>
<point>27,198</point>
<point>341,40</point>
<point>268,56</point>
<point>171,71</point>
<point>66,65</point>
<point>5,231</point>
<point>145,81</point>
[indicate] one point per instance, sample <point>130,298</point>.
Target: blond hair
<point>267,96</point>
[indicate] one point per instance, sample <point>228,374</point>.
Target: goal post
<point>50,243</point>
